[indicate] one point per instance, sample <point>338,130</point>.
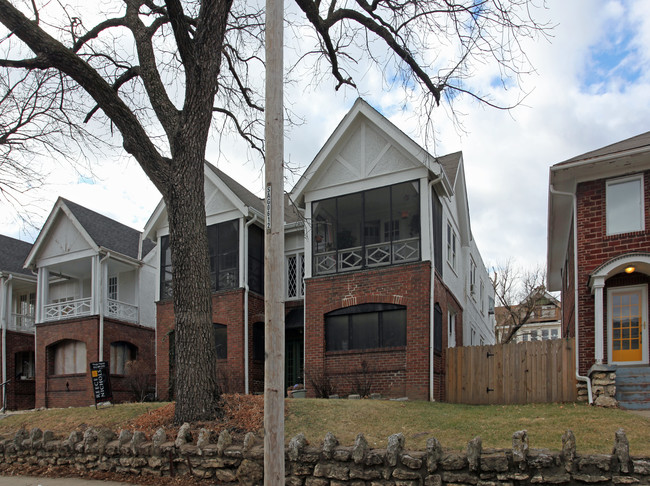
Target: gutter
<point>602,158</point>
<point>432,291</point>
<point>579,377</point>
<point>246,292</point>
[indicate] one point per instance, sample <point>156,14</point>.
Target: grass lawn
<point>453,425</point>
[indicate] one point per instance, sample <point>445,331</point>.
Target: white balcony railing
<point>21,323</point>
<point>375,255</point>
<point>67,310</point>
<point>122,311</point>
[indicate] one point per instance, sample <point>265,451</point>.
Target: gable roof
<point>99,231</point>
<point>634,143</point>
<point>362,109</point>
<point>246,196</point>
<point>13,253</point>
<point>450,163</point>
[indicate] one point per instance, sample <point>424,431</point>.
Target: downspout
<point>246,291</point>
<point>433,282</point>
<point>579,377</point>
<point>101,306</point>
<point>3,305</point>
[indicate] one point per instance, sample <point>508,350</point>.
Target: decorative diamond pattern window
<point>295,277</point>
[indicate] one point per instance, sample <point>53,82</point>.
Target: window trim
<point>623,180</point>
<point>452,244</point>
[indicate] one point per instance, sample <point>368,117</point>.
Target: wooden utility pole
<point>274,249</point>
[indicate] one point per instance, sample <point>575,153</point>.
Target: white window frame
<point>452,239</point>
<point>300,280</point>
<point>625,180</point>
<point>451,329</point>
<point>112,288</point>
<point>472,277</point>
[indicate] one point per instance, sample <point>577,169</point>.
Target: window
<point>69,357</point>
<point>367,229</point>
<point>624,205</point>
<point>545,335</point>
<point>472,277</point>
<point>165,268</point>
<point>121,353</point>
<point>112,288</point>
<point>437,328</point>
<point>365,326</point>
<point>24,361</point>
<point>481,299</point>
<point>295,277</point>
<point>256,259</point>
<point>451,338</point>
<point>221,340</point>
<point>555,333</point>
<point>258,341</point>
<point>451,246</point>
<point>223,247</point>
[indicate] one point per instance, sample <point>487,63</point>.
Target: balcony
<point>122,311</point>
<point>375,255</point>
<point>67,310</point>
<point>21,323</point>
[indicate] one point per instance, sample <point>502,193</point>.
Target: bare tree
<point>164,73</point>
<point>518,292</point>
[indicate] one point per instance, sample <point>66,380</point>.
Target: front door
<point>627,323</point>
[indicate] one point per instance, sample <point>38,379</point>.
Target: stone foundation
<point>603,385</point>
<point>330,464</point>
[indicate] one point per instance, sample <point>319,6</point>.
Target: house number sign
<point>268,208</point>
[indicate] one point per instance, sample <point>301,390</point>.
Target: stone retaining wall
<point>330,464</point>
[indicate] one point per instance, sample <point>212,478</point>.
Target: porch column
<point>599,341</point>
<point>42,293</point>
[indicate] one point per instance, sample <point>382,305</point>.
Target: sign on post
<point>100,374</point>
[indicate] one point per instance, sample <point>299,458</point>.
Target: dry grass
<point>452,425</point>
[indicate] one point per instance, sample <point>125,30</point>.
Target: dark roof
<point>246,196</point>
<point>642,140</point>
<point>107,232</point>
<point>450,163</point>
<point>13,253</point>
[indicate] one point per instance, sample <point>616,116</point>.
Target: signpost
<point>100,374</point>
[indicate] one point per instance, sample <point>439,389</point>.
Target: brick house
<point>17,306</point>
<point>93,302</point>
<point>382,271</point>
<point>599,258</point>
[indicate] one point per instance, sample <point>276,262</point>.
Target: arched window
<point>121,353</point>
<point>365,326</point>
<point>69,357</point>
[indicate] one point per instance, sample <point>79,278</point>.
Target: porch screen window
<point>365,326</point>
<point>69,357</point>
<point>367,229</point>
<point>624,205</point>
<point>256,259</point>
<point>221,340</point>
<point>121,353</point>
<point>223,243</point>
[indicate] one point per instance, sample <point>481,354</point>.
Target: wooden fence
<point>527,372</point>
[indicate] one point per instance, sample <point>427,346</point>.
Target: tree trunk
<point>197,392</point>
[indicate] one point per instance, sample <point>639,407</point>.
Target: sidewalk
<point>26,481</point>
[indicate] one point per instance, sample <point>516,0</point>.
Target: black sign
<point>99,371</point>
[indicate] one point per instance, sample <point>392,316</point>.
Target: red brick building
<point>93,302</point>
<point>599,256</point>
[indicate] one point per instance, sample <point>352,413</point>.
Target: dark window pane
<point>221,340</point>
<point>393,328</point>
<point>229,255</point>
<point>165,268</point>
<point>365,330</point>
<point>336,333</point>
<point>406,209</point>
<point>256,259</point>
<point>258,341</point>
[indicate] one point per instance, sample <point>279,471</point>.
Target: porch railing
<point>374,255</point>
<point>67,310</point>
<point>21,323</point>
<point>122,311</point>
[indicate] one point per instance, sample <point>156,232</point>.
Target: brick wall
<point>20,392</point>
<point>596,248</point>
<point>396,371</point>
<point>76,389</point>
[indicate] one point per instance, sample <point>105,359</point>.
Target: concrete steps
<point>633,387</point>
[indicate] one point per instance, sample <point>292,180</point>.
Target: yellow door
<point>627,321</point>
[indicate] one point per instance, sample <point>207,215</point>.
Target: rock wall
<point>330,464</point>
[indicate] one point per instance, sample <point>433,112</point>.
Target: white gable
<point>216,201</point>
<point>63,239</point>
<point>365,153</point>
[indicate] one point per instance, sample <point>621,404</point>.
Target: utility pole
<point>274,249</point>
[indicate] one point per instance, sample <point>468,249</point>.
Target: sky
<point>590,88</point>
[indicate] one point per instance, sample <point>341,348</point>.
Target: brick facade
<point>74,390</point>
<point>397,371</point>
<point>595,248</point>
<point>19,391</point>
